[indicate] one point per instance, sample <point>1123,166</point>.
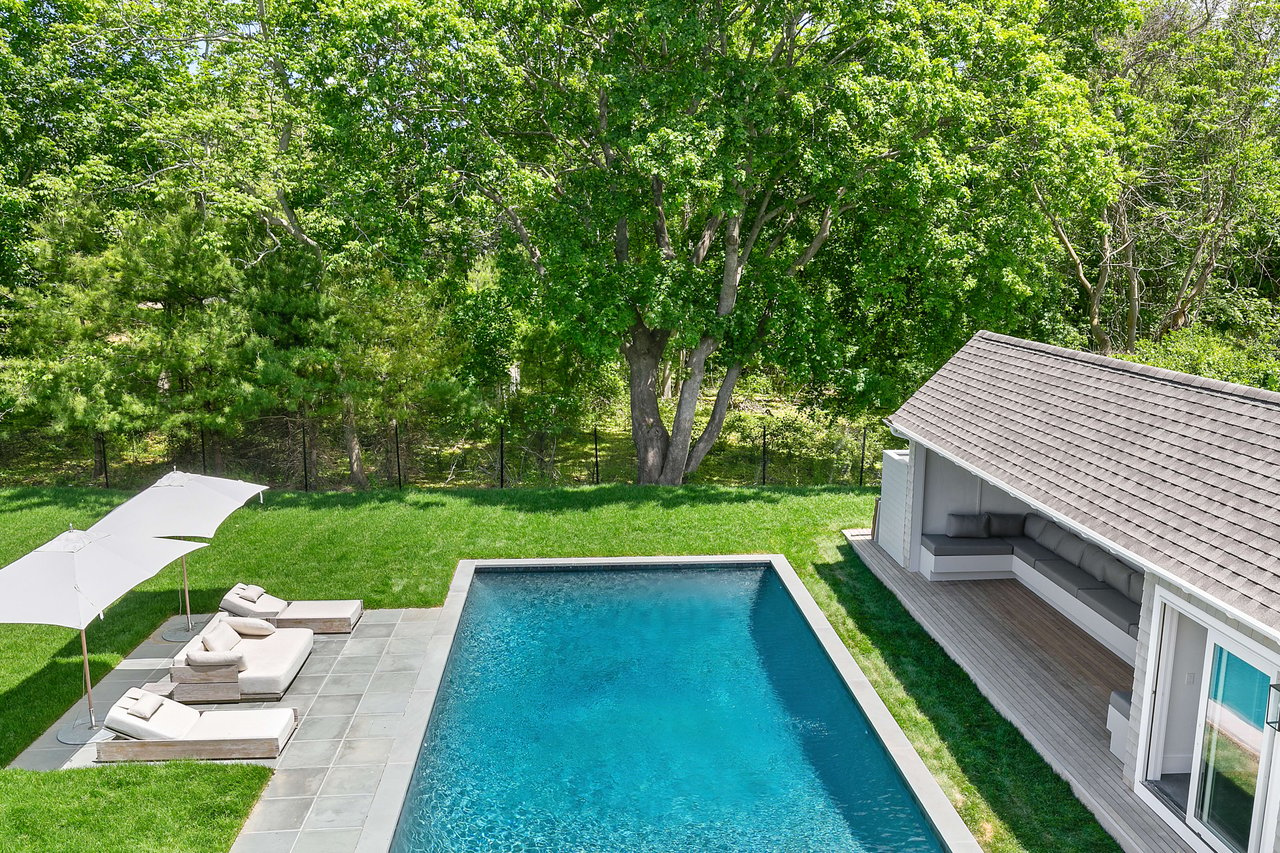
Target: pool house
<point>1097,543</point>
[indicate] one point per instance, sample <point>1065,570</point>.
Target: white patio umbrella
<point>179,504</point>
<point>73,578</point>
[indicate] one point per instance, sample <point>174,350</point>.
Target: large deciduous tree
<point>668,172</point>
<point>1189,92</point>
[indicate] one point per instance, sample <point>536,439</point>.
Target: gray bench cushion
<point>1006,524</point>
<point>1033,524</point>
<point>944,546</point>
<point>968,526</point>
<point>1051,536</point>
<point>1136,580</point>
<point>1112,605</point>
<point>1029,550</point>
<point>1069,576</point>
<point>1071,548</point>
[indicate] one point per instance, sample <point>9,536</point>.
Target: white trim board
<point>1091,536</point>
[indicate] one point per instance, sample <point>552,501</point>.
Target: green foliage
<point>1206,352</point>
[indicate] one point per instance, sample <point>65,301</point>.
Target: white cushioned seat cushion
<point>272,662</point>
<point>236,725</point>
<point>265,607</point>
<point>171,721</point>
<point>348,609</point>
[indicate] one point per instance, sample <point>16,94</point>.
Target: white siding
<point>892,525</point>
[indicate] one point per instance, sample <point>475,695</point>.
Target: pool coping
<point>394,787</point>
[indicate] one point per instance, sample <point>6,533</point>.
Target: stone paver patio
<point>363,701</point>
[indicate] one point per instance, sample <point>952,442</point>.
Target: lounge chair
<point>236,659</point>
<point>337,616</point>
<point>148,727</point>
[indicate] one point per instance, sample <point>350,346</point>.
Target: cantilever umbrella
<point>179,504</point>
<point>73,578</point>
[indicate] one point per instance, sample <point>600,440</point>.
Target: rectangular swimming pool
<point>652,708</point>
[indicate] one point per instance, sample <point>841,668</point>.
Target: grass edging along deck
<point>398,549</point>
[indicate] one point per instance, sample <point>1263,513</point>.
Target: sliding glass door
<point>1234,748</point>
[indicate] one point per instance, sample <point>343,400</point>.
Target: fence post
<point>862,458</point>
<point>502,456</point>
<point>306,473</point>
<point>764,454</point>
<point>595,440</point>
<point>399,473</point>
<point>106,472</point>
<point>204,461</point>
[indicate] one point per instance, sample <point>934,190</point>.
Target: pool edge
<point>384,814</point>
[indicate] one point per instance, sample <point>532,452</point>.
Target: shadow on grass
<point>1035,804</point>
<point>36,702</point>
<point>77,501</point>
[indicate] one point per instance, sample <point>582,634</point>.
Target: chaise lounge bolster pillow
<point>962,526</point>
<point>248,626</point>
<point>200,657</point>
<point>146,705</point>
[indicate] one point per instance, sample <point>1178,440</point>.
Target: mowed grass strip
<point>399,549</point>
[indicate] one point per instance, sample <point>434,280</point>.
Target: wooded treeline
<point>529,211</point>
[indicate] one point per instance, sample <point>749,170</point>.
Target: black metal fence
<point>292,453</point>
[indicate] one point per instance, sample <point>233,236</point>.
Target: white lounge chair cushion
<point>172,720</point>
<point>201,657</point>
<point>252,592</point>
<point>236,725</point>
<point>248,626</point>
<point>219,637</point>
<point>348,609</point>
<point>264,607</point>
<point>272,662</point>
<point>146,705</point>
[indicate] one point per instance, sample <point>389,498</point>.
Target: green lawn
<point>399,549</point>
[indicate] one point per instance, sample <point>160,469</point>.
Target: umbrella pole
<point>88,680</point>
<point>186,592</point>
<point>77,733</point>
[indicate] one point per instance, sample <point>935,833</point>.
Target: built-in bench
<point>1095,589</point>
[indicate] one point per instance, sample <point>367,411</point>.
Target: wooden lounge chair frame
<point>122,748</point>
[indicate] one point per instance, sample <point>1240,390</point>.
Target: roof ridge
<point>1200,383</point>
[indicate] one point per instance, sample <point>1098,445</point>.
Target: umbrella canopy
<point>179,504</point>
<point>73,578</point>
<point>77,575</point>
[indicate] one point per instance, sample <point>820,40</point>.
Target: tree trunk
<point>355,454</point>
<point>712,430</point>
<point>389,472</point>
<point>681,439</point>
<point>643,350</point>
<point>219,458</point>
<point>99,454</point>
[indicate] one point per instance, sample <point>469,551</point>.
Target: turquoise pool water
<point>669,709</point>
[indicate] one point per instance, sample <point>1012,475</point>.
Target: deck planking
<point>1042,673</point>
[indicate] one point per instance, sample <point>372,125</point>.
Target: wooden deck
<point>1043,674</point>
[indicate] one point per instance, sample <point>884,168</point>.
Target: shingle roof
<point>1179,470</point>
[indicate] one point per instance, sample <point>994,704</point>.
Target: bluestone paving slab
<point>347,781</point>
<point>265,842</point>
<point>271,814</point>
<point>364,751</point>
<point>339,812</point>
<point>327,841</point>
